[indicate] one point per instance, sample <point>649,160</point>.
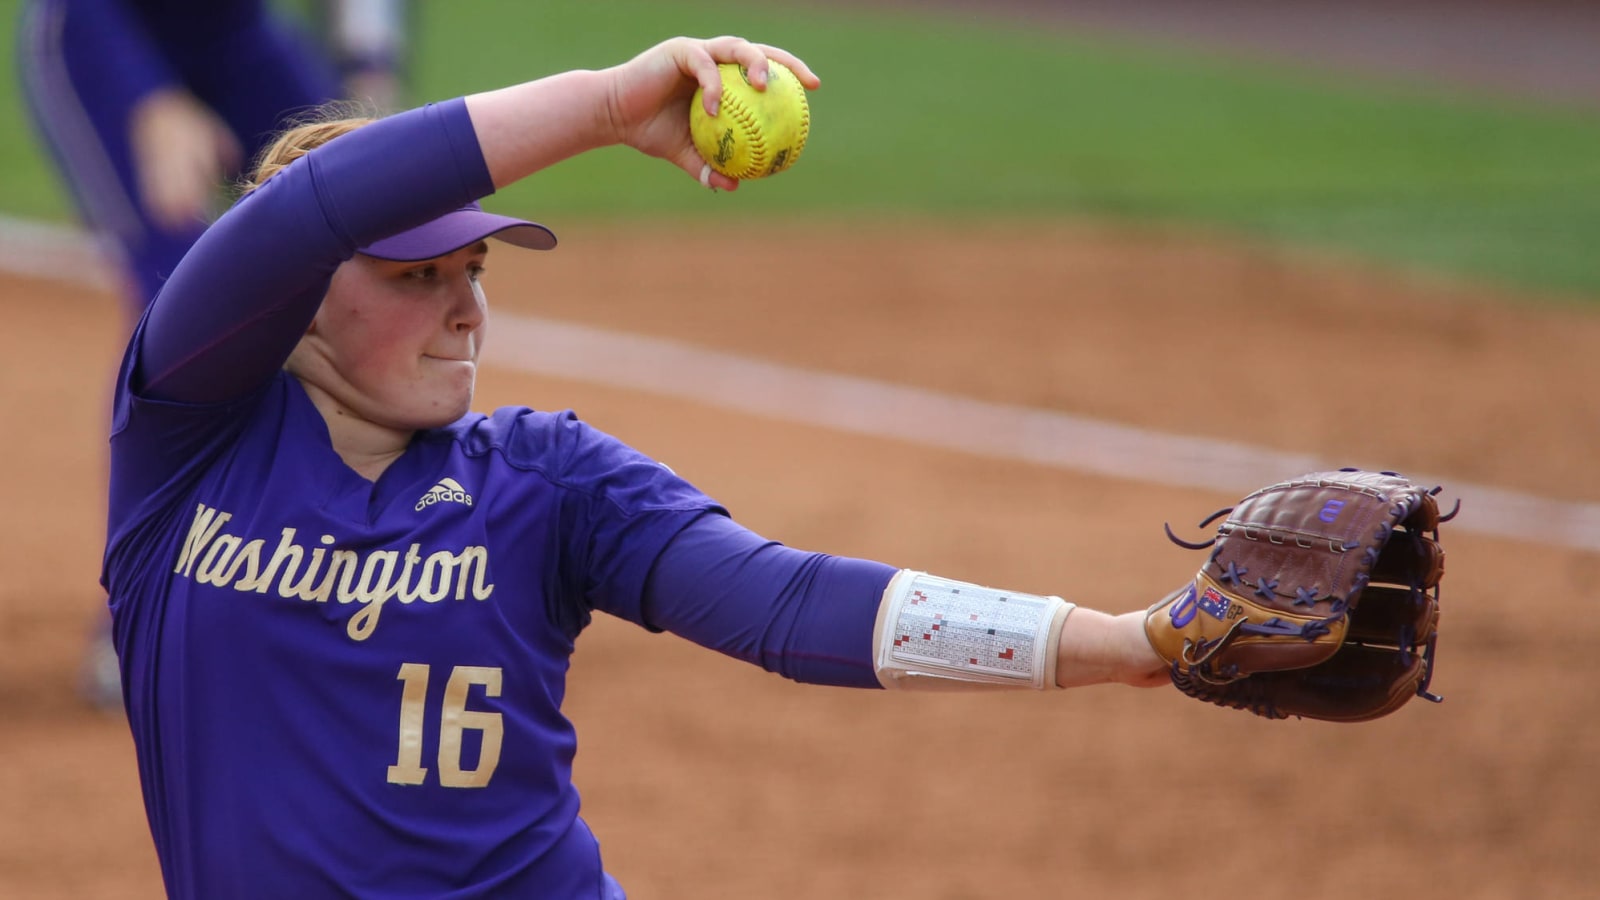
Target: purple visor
<point>454,230</point>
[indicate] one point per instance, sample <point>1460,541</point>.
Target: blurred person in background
<point>367,41</point>
<point>151,108</point>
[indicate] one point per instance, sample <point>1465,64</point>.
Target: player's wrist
<point>1141,665</point>
<point>1100,648</point>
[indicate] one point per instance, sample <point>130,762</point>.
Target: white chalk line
<point>877,409</point>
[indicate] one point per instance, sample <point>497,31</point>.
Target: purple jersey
<point>404,643</point>
<point>339,686</point>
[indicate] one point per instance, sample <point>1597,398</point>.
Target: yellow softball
<point>755,133</point>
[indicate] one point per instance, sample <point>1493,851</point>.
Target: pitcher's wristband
<point>934,633</point>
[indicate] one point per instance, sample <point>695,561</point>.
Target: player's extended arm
<point>813,617</point>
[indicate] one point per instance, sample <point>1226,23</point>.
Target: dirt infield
<point>705,778</point>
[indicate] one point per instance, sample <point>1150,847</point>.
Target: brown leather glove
<point>1320,599</point>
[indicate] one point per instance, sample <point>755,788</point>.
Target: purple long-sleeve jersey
<point>340,687</point>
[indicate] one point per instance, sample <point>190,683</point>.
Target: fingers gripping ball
<point>1319,598</point>
<point>755,133</point>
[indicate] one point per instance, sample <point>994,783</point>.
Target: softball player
<point>148,106</point>
<point>345,605</point>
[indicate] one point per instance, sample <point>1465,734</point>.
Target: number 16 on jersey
<point>454,719</point>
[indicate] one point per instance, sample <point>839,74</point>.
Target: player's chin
<point>442,400</point>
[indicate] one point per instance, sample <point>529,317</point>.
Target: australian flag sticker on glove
<point>1214,603</point>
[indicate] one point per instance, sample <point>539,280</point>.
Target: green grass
<point>960,118</point>
<point>28,186</point>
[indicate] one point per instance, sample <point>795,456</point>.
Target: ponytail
<point>317,127</point>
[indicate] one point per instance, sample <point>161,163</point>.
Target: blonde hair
<point>305,133</point>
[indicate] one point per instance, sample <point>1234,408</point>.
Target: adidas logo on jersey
<point>448,490</point>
